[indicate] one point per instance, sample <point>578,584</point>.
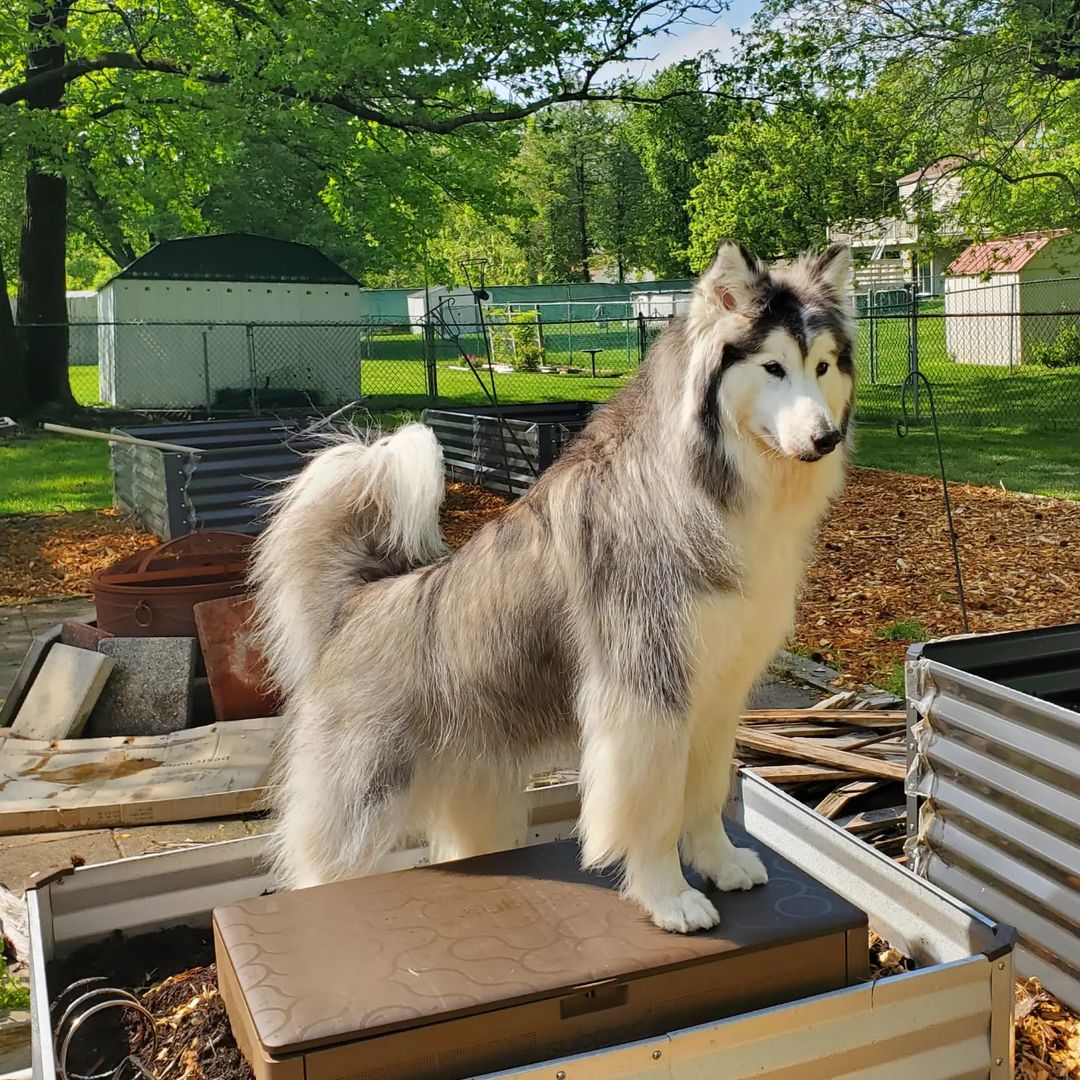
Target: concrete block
<point>24,677</point>
<point>149,692</point>
<point>65,690</point>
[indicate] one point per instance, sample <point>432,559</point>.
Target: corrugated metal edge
<point>985,849</point>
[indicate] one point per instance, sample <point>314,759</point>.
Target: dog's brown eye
<point>822,368</point>
<point>773,368</point>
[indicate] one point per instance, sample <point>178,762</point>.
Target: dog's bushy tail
<point>360,510</point>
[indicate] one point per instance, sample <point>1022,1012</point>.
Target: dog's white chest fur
<point>738,632</point>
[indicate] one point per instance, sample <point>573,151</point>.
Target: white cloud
<point>680,44</point>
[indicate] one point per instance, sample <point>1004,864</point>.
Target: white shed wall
<point>153,363</point>
<point>993,337</point>
<point>660,305</point>
<point>82,333</point>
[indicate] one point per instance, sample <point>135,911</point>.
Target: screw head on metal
<point>998,1061</point>
<point>656,1055</point>
<point>1001,966</point>
<point>560,1075</point>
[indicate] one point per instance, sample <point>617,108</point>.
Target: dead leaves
<point>1047,1035</point>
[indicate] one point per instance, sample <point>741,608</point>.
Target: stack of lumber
<point>848,763</point>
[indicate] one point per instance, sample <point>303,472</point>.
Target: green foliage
<point>777,179</point>
<point>906,630</point>
<point>1061,351</point>
<point>46,474</point>
<point>13,994</point>
<point>515,339</point>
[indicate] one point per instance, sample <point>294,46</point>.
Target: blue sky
<point>708,32</point>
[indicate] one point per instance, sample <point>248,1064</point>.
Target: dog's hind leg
<point>475,811</point>
<point>633,778</point>
<point>705,842</point>
<point>343,800</point>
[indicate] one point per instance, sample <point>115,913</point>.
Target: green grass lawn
<point>1018,445</point>
<point>41,474</point>
<point>1018,459</point>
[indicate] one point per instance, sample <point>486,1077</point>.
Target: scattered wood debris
<point>1047,1035</point>
<point>852,764</point>
<point>195,1040</point>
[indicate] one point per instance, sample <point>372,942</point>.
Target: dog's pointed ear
<point>832,267</point>
<point>731,281</point>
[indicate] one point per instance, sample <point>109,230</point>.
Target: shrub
<point>1061,351</point>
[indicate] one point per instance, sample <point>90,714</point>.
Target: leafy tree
<point>777,178</point>
<point>672,140</point>
<point>621,201</point>
<point>81,83</point>
<point>993,81</point>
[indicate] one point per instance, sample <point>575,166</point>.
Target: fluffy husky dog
<point>623,608</point>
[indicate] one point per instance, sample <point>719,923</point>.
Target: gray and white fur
<point>622,609</point>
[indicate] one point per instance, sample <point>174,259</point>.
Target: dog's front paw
<point>741,868</point>
<point>684,913</point>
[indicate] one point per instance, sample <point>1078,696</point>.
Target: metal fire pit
<point>153,593</point>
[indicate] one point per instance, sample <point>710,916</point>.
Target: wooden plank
<point>833,803</point>
<point>205,772</point>
<point>799,774</point>
<point>869,820</point>
<point>808,750</point>
<point>870,718</point>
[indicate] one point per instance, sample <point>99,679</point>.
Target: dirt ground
<point>883,574</point>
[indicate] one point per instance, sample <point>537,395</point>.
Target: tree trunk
<point>580,185</point>
<point>13,396</point>
<point>43,250</point>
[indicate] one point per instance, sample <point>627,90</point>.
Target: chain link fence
<point>997,357</point>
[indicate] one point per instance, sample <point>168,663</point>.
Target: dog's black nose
<point>827,443</point>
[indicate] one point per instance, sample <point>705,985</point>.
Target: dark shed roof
<point>235,257</point>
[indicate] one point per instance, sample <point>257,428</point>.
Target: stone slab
<point>36,651</point>
<point>65,690</point>
<point>149,692</point>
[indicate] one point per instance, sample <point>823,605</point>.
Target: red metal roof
<point>934,171</point>
<point>1005,256</point>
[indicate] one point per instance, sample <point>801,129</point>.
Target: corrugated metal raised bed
<point>950,1019</point>
<point>505,449</point>
<point>217,486</point>
<point>994,787</point>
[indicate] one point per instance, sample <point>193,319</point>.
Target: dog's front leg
<point>633,778</point>
<point>705,842</point>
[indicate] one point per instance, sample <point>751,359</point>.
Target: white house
<point>889,252</point>
<point>210,320</point>
<point>1014,286</point>
<point>660,305</point>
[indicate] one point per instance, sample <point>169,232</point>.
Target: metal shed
<point>222,321</point>
<point>1001,296</point>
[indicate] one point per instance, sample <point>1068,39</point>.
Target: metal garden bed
<point>505,449</point>
<point>950,1018</point>
<point>994,787</point>
<point>217,484</point>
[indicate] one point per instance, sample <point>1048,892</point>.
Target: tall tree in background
<point>777,178</point>
<point>995,82</point>
<point>672,141</point>
<point>621,200</point>
<point>348,72</point>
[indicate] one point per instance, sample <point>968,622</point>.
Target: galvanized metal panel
<point>994,793</point>
<point>949,1020</point>
<point>222,487</point>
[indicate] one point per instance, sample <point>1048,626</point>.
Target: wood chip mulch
<point>883,559</point>
<point>51,555</point>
